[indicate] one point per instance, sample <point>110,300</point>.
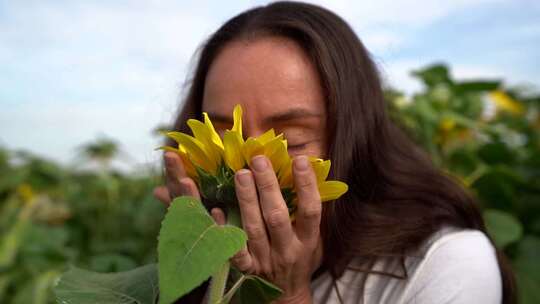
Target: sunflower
<point>212,161</point>
<point>505,102</point>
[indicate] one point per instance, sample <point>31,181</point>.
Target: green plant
<point>487,137</point>
<point>52,216</point>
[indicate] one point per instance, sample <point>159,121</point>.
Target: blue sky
<point>71,71</point>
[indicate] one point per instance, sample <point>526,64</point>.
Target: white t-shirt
<point>453,266</point>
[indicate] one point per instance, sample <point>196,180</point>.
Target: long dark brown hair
<point>397,198</point>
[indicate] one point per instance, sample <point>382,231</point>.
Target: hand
<point>277,250</point>
<point>177,181</point>
<point>288,254</point>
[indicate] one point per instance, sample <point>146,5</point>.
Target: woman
<point>404,233</point>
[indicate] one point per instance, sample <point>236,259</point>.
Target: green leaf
<point>433,74</point>
<point>503,227</point>
<point>11,242</point>
<point>137,286</point>
<point>111,263</point>
<point>528,250</point>
<point>496,153</point>
<point>527,269</point>
<point>37,290</point>
<point>462,161</point>
<point>192,247</point>
<point>5,280</point>
<point>528,288</point>
<point>496,189</point>
<point>477,86</point>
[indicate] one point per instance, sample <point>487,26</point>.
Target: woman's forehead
<point>269,77</point>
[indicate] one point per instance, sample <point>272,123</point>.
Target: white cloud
<point>90,48</point>
<point>397,74</point>
<point>361,14</point>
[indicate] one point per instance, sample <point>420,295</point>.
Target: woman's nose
<point>252,129</point>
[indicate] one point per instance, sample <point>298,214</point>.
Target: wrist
<point>301,297</point>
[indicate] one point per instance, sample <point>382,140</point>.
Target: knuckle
<point>266,269</point>
<point>246,195</point>
<point>243,264</point>
<point>277,218</point>
<point>284,266</point>
<point>255,232</point>
<point>242,260</point>
<point>267,185</point>
<point>288,260</point>
<point>311,213</point>
<point>243,254</point>
<point>311,238</point>
<point>161,193</point>
<point>304,182</point>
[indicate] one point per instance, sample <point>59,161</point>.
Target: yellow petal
<point>266,136</point>
<point>167,148</point>
<point>504,102</point>
<point>204,135</point>
<point>331,190</point>
<point>252,148</point>
<point>285,175</point>
<point>215,136</point>
<point>195,151</point>
<point>233,143</point>
<point>321,168</point>
<point>276,151</point>
<point>237,117</point>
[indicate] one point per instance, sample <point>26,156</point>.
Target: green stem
<point>228,296</point>
<point>476,174</point>
<point>218,283</point>
<point>219,280</point>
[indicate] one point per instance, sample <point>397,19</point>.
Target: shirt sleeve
<point>458,268</point>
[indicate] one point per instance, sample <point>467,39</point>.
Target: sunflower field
<point>481,132</point>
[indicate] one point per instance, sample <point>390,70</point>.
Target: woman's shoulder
<point>455,244</point>
<point>455,266</point>
<point>452,266</point>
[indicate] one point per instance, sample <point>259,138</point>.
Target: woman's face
<point>277,86</point>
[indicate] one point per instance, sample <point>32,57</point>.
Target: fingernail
<point>301,163</point>
<point>243,177</point>
<point>259,163</point>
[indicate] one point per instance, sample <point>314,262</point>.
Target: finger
<point>308,213</point>
<point>274,209</point>
<point>189,188</point>
<point>250,212</point>
<point>243,261</point>
<point>162,194</point>
<point>218,216</point>
<point>174,172</point>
